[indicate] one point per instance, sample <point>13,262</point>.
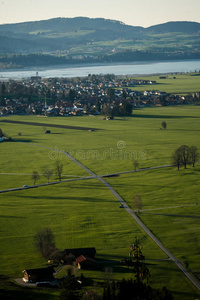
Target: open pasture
<point>85,213</point>
<point>80,214</point>
<point>171,208</point>
<point>175,83</point>
<point>113,148</point>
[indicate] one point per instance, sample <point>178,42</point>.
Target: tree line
<point>185,155</point>
<point>48,172</point>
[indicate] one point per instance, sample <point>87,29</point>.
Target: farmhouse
<point>84,262</point>
<point>38,275</point>
<point>87,252</point>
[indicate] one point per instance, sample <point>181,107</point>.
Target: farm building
<point>38,275</point>
<point>89,252</point>
<point>84,262</point>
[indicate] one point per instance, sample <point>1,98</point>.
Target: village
<point>95,94</point>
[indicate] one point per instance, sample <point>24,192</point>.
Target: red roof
<point>83,258</point>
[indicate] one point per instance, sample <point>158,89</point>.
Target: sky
<point>143,13</point>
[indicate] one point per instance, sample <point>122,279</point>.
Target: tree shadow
<point>147,116</point>
<point>67,198</point>
<point>172,215</point>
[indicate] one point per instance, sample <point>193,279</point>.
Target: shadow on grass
<point>147,116</point>
<point>67,198</point>
<point>185,295</point>
<point>172,215</point>
<point>10,290</point>
<point>10,217</point>
<point>22,141</point>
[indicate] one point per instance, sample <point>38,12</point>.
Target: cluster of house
<point>84,258</point>
<point>79,96</point>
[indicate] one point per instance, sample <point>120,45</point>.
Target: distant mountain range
<point>84,39</point>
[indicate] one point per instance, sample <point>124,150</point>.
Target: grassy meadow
<point>85,213</point>
<point>175,84</point>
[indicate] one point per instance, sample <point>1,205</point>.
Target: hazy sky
<point>133,12</point>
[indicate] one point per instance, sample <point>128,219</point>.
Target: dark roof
<point>81,251</point>
<point>40,271</point>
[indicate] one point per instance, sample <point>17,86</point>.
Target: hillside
<point>99,40</point>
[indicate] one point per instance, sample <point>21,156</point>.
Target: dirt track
<point>50,125</point>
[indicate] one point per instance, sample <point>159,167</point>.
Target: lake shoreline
<point>131,69</point>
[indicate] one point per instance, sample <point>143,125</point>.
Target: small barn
<point>38,275</point>
<point>84,262</point>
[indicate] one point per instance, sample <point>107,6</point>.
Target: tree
<point>184,155</point>
<point>47,173</point>
<point>194,155</point>
<point>164,125</point>
<point>137,202</point>
<point>72,95</point>
<point>71,287</point>
<point>35,176</point>
<point>176,158</point>
<point>135,164</point>
<point>139,268</point>
<point>128,289</point>
<point>45,243</point>
<point>58,169</point>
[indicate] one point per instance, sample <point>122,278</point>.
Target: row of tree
<point>48,172</point>
<point>185,155</point>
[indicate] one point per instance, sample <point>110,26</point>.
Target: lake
<point>137,68</point>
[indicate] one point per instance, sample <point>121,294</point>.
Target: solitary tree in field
<point>45,243</point>
<point>47,173</point>
<point>35,176</point>
<point>137,202</point>
<point>135,164</point>
<point>59,169</point>
<point>139,268</point>
<point>164,125</point>
<point>194,155</point>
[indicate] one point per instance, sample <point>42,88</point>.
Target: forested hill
<point>184,27</point>
<point>83,23</point>
<point>86,39</point>
<point>66,24</point>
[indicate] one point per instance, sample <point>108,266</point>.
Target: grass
<point>182,84</point>
<point>140,136</point>
<point>169,210</point>
<point>85,213</point>
<point>78,216</point>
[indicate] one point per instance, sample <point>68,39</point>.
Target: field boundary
<point>49,125</point>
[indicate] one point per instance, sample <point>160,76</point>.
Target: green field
<point>174,84</point>
<point>85,213</point>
